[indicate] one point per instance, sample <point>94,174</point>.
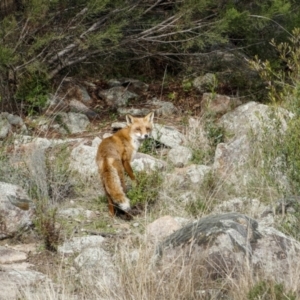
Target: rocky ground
<point>203,197</point>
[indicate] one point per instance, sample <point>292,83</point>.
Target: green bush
<point>147,189</point>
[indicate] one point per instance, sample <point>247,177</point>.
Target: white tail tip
<point>125,205</point>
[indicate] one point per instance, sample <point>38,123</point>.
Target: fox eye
<point>148,128</point>
<point>138,129</point>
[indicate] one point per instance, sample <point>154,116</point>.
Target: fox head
<point>140,128</point>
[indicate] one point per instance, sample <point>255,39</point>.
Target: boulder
<point>180,156</point>
<point>78,244</point>
<point>231,244</point>
<point>117,96</point>
<point>218,104</point>
<point>162,108</point>
<point>16,210</point>
<point>15,281</point>
<point>204,83</point>
<point>247,127</point>
<point>161,228</point>
<point>145,162</point>
<point>167,135</point>
<point>74,122</point>
<point>83,160</point>
<point>94,262</point>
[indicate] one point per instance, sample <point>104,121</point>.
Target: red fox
<point>115,154</point>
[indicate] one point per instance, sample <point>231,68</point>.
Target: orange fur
<point>114,155</point>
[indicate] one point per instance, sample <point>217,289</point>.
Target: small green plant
<point>147,189</point>
<point>198,156</point>
<point>215,133</point>
<point>34,90</point>
<point>264,290</point>
<point>172,95</point>
<point>187,85</point>
<point>148,146</point>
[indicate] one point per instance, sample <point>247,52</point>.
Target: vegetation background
<point>43,41</point>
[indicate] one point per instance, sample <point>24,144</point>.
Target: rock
<point>231,244</point>
<point>85,97</point>
<point>253,118</point>
<point>145,162</point>
<point>161,228</point>
<point>8,256</point>
<point>218,104</point>
<point>16,210</point>
<point>83,161</point>
<point>162,108</point>
<point>117,96</point>
<point>14,281</point>
<point>77,244</point>
<point>96,142</point>
<point>15,120</point>
<point>167,135</point>
<point>204,83</point>
<point>193,173</point>
<point>247,127</point>
<point>180,156</point>
<point>5,127</point>
<point>74,122</point>
<point>94,262</point>
<point>79,107</point>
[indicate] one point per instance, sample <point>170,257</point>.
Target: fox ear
<point>150,117</point>
<point>129,119</point>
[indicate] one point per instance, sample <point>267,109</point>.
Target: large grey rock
<point>83,160</point>
<point>227,244</point>
<point>247,127</point>
<point>145,162</point>
<point>255,118</point>
<point>194,174</point>
<point>204,83</point>
<point>94,262</point>
<point>16,210</point>
<point>117,96</point>
<point>77,244</point>
<point>161,228</point>
<point>162,108</point>
<point>218,104</point>
<point>75,122</point>
<point>167,135</point>
<point>180,156</point>
<point>14,282</point>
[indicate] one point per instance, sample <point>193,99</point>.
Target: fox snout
<point>145,136</point>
